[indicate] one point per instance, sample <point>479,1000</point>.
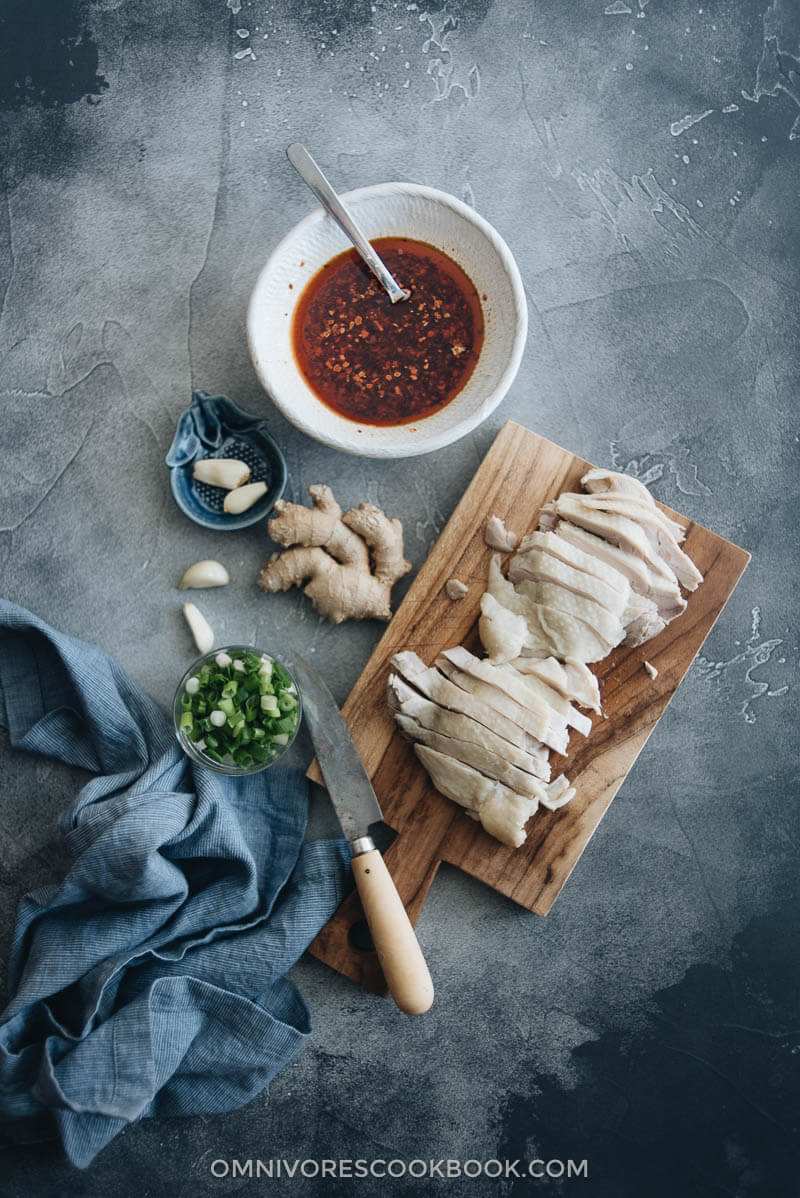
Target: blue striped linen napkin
<point>150,981</point>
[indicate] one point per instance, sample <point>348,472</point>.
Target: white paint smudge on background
<point>618,8</point>
<point>427,530</point>
<point>678,127</point>
<point>652,464</point>
<point>778,70</point>
<point>449,72</point>
<point>638,210</point>
<point>755,654</point>
<point>547,142</point>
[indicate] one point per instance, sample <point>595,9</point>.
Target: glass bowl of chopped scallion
<point>236,710</point>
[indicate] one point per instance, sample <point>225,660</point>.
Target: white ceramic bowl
<point>390,210</point>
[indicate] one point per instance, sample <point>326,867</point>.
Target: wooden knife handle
<point>395,942</point>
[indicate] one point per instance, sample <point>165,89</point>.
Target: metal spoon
<point>310,173</point>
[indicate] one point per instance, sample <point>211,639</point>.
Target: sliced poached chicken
<point>602,568</point>
<point>407,701</point>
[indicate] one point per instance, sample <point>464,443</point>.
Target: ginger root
<point>352,561</point>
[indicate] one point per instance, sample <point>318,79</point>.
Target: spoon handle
<point>308,170</point>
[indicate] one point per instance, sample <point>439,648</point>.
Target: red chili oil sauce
<point>381,363</point>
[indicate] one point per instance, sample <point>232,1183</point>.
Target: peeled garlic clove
<point>204,574</point>
<point>221,472</point>
<point>200,628</point>
<point>242,498</point>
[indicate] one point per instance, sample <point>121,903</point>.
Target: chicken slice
<point>642,620</point>
<point>582,685</point>
<point>619,530</point>
<point>404,700</point>
<point>458,782</point>
<point>559,792</point>
<point>497,536</point>
<point>545,692</point>
<point>641,577</point>
<point>503,633</point>
<point>568,636</point>
<point>538,565</point>
<point>507,681</point>
<point>551,595</point>
<point>679,562</point>
<point>502,627</point>
<point>547,517</point>
<point>663,533</point>
<point>502,812</point>
<point>610,480</point>
<point>550,633</point>
<point>444,692</point>
<point>528,692</point>
<point>479,757</point>
<point>549,728</point>
<point>499,586</point>
<point>659,584</point>
<point>654,543</point>
<point>642,511</point>
<point>572,679</point>
<point>571,555</point>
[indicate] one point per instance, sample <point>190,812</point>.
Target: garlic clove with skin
<point>242,498</point>
<point>221,472</point>
<point>200,628</point>
<point>207,573</point>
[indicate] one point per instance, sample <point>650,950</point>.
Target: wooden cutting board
<point>520,473</point>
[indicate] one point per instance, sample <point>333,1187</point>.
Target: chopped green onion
<point>239,710</point>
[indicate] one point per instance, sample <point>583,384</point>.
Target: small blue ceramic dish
<point>214,427</point>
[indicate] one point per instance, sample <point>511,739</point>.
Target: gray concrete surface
<point>641,160</point>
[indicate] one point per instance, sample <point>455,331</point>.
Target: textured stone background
<point>641,159</point>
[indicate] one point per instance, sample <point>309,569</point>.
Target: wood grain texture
<point>521,472</point>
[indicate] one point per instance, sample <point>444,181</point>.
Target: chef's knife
<point>354,800</point>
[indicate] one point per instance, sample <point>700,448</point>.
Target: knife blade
<point>356,806</point>
<point>343,770</point>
